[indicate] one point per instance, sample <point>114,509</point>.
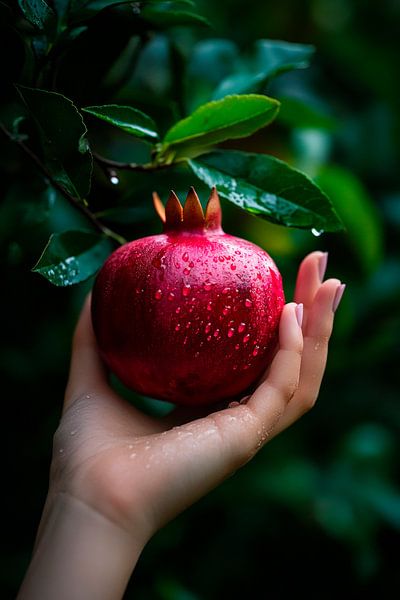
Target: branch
<point>71,199</point>
<point>128,166</point>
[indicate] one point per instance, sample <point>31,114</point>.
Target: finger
<point>316,339</point>
<point>87,371</point>
<point>310,276</point>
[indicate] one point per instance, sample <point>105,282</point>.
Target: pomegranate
<point>191,315</point>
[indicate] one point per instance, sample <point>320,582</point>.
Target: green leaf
<point>37,12</point>
<point>229,118</point>
<point>358,212</point>
<point>267,187</point>
<point>269,59</point>
<point>72,256</point>
<point>171,14</point>
<point>128,119</point>
<point>63,136</point>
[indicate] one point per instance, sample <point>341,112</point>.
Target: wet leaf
<point>37,12</point>
<point>72,256</point>
<point>229,118</point>
<point>127,118</point>
<point>267,187</point>
<point>63,135</point>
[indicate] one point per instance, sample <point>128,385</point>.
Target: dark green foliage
<point>103,102</point>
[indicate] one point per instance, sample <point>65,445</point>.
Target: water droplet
<point>114,180</point>
<point>215,259</point>
<point>178,310</point>
<point>207,328</point>
<point>226,309</point>
<point>177,327</point>
<point>171,296</point>
<point>61,450</point>
<point>207,286</point>
<point>237,347</point>
<point>185,256</point>
<point>208,338</point>
<point>209,306</point>
<point>197,354</point>
<point>256,350</point>
<point>185,341</point>
<point>87,396</point>
<point>216,333</point>
<point>158,295</point>
<point>248,303</point>
<point>226,290</point>
<point>231,323</point>
<point>246,338</point>
<point>317,232</point>
<point>186,290</point>
<point>231,332</point>
<point>73,432</point>
<point>242,327</point>
<point>233,267</point>
<point>186,270</point>
<point>132,455</point>
<point>221,258</point>
<point>188,324</point>
<point>130,446</point>
<point>259,276</point>
<point>191,264</point>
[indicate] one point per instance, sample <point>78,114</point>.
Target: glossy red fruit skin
<point>188,316</point>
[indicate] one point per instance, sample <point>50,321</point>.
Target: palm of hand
<point>139,471</point>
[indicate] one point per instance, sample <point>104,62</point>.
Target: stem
<point>71,199</point>
<point>128,166</point>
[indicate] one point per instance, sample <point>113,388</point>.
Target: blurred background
<point>317,512</point>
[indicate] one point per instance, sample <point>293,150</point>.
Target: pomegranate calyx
<point>190,217</point>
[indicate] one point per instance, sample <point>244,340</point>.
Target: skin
<point>118,475</point>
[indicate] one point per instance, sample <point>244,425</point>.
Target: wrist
<point>79,554</point>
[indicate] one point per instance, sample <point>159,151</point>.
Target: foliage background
<point>318,511</point>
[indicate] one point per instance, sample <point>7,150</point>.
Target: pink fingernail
<point>299,314</point>
<point>338,296</point>
<point>322,264</point>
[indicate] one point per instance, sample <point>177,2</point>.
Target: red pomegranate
<point>191,315</point>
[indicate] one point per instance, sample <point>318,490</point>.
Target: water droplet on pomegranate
<point>248,303</point>
<point>256,350</point>
<point>216,333</point>
<point>191,264</point>
<point>226,309</point>
<point>246,338</point>
<point>171,296</point>
<point>221,258</point>
<point>207,328</point>
<point>233,267</point>
<point>215,259</point>
<point>186,289</point>
<point>185,256</point>
<point>185,341</point>
<point>231,332</point>
<point>231,323</point>
<point>209,306</point>
<point>158,295</point>
<point>207,286</point>
<point>177,327</point>
<point>188,324</point>
<point>237,347</point>
<point>234,367</point>
<point>197,354</point>
<point>237,252</point>
<point>209,338</point>
<point>186,270</point>
<point>226,290</point>
<point>242,327</point>
<point>178,310</point>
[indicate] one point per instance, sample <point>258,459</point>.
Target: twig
<point>71,199</point>
<point>128,166</point>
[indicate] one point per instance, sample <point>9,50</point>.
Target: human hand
<point>141,471</point>
<point>137,472</point>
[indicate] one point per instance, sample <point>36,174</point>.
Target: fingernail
<point>299,314</point>
<point>338,296</point>
<point>322,264</point>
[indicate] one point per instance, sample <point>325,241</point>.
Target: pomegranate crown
<point>190,216</point>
